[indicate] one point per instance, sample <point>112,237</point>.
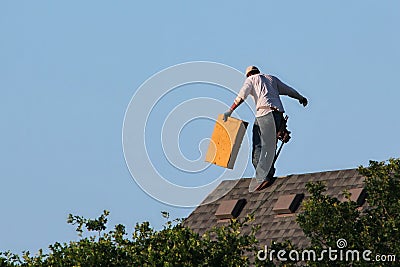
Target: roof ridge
<point>308,173</point>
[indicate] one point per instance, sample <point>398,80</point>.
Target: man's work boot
<point>263,185</point>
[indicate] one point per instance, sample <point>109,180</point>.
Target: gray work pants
<point>265,129</point>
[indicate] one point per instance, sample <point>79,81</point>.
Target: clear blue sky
<point>68,70</point>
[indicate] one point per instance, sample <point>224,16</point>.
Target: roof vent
<point>229,209</point>
<point>288,203</point>
<point>358,195</point>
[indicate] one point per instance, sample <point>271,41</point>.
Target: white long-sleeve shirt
<point>265,90</point>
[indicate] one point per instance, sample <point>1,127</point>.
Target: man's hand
<point>303,101</point>
<point>227,114</point>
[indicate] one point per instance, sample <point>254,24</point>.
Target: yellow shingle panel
<point>225,141</point>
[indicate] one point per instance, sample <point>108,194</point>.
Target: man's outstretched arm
<point>242,95</point>
<point>236,103</point>
<point>285,89</point>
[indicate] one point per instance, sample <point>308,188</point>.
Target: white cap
<point>251,68</point>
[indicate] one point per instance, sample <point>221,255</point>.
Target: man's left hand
<point>303,101</point>
<point>227,114</point>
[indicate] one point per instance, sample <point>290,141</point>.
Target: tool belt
<point>283,133</point>
<point>268,107</point>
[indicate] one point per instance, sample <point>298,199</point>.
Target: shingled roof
<point>276,220</point>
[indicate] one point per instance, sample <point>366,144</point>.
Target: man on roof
<point>265,90</point>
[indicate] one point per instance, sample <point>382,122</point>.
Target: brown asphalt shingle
<point>273,227</point>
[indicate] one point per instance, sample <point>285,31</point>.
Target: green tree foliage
<point>174,245</point>
<point>382,222</point>
<point>325,219</point>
